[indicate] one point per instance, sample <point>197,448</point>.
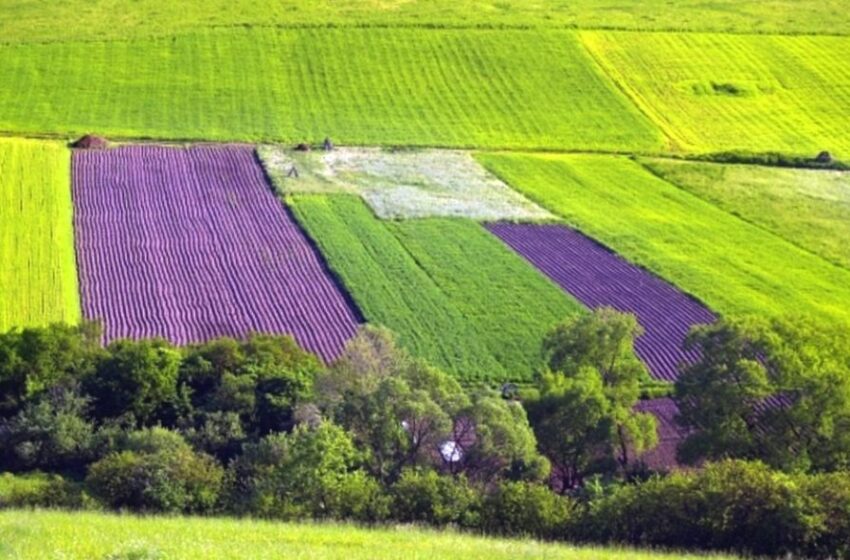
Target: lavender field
<point>190,244</point>
<point>597,278</point>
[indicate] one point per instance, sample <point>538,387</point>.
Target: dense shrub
<point>312,472</point>
<point>427,497</point>
<point>38,489</point>
<point>729,506</point>
<point>525,508</point>
<point>161,474</point>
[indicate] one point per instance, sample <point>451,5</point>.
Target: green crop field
<point>26,21</point>
<point>38,278</point>
<point>42,535</point>
<point>713,92</point>
<point>808,207</point>
<point>451,291</point>
<point>730,264</point>
<point>463,88</point>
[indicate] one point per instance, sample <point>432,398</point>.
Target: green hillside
<point>80,536</point>
<point>462,88</point>
<point>451,291</point>
<point>28,21</point>
<point>808,207</point>
<point>732,265</point>
<point>38,277</point>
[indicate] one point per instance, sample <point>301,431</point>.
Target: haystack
<point>90,142</point>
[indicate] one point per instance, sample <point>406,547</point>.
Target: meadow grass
<point>808,207</point>
<point>118,19</point>
<point>713,92</point>
<point>402,184</point>
<point>731,265</point>
<point>42,535</point>
<point>38,277</point>
<point>461,88</point>
<point>453,293</point>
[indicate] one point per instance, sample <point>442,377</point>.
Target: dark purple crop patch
<point>190,244</point>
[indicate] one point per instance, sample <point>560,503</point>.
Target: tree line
<point>261,427</point>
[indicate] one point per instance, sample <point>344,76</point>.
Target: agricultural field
<point>808,207</point>
<point>723,92</point>
<point>190,244</point>
<point>401,184</point>
<point>113,19</point>
<point>523,89</point>
<point>598,278</point>
<point>39,535</point>
<point>729,264</point>
<point>452,292</point>
<point>38,277</point>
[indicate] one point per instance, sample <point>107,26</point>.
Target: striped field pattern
<point>38,279</point>
<point>597,277</point>
<point>425,87</point>
<point>190,244</point>
<point>718,92</point>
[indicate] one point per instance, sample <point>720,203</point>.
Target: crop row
<point>190,244</point>
<point>38,278</point>
<point>453,293</point>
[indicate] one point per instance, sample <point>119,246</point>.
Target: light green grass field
<point>810,208</point>
<point>460,88</point>
<point>712,92</point>
<point>451,291</point>
<point>733,266</point>
<point>89,536</point>
<point>117,19</point>
<point>38,277</point>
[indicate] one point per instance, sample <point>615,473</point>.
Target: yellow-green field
<point>465,88</point>
<point>38,278</point>
<point>27,21</point>
<point>732,265</point>
<point>88,536</point>
<point>808,207</point>
<point>716,92</point>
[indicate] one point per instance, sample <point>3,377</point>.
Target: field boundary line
<point>675,143</point>
<point>737,216</point>
<point>422,26</point>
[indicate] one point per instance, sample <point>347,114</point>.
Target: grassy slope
<point>808,207</point>
<point>80,536</point>
<point>38,278</point>
<point>31,20</point>
<point>465,88</point>
<point>452,292</point>
<point>713,92</point>
<point>733,266</point>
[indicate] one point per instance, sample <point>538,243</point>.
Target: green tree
<point>52,432</point>
<point>33,360</point>
<point>777,390</point>
<point>137,378</point>
<point>595,352</point>
<point>312,472</point>
<point>398,408</point>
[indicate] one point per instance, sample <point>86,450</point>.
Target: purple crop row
<point>190,244</point>
<point>597,277</point>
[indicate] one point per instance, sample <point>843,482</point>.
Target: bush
<point>528,509</point>
<point>39,490</point>
<point>312,472</point>
<point>427,497</point>
<point>733,505</point>
<point>173,482</point>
